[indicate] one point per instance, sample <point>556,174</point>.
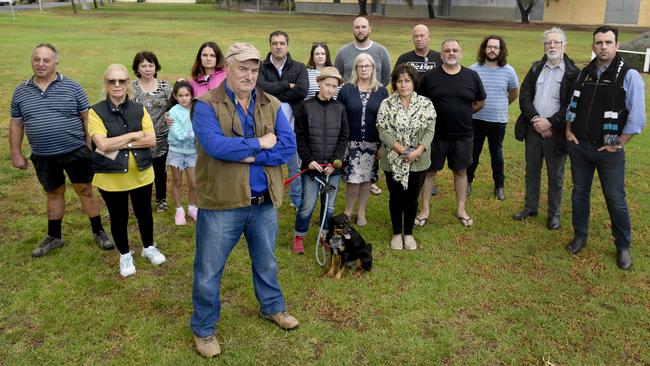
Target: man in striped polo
<point>502,87</point>
<point>52,111</point>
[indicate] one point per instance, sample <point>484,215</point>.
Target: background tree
<point>363,11</point>
<point>526,7</point>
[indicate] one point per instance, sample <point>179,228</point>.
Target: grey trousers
<point>539,150</point>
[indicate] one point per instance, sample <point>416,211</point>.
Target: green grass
<point>501,292</point>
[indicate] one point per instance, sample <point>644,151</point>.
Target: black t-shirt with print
<point>452,96</point>
<point>421,64</point>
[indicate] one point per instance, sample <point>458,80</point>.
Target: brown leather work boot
<point>207,346</point>
<point>282,319</point>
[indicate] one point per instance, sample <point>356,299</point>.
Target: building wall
<point>588,12</point>
<point>576,12</point>
<point>644,13</point>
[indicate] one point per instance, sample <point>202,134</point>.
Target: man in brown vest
<point>243,141</point>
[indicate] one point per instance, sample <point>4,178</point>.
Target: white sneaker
<point>154,255</point>
<point>396,242</point>
<point>127,266</point>
<point>410,243</point>
<point>192,211</point>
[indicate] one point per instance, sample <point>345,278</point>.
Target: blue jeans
<point>310,189</point>
<point>217,232</point>
<point>295,187</point>
<point>585,159</point>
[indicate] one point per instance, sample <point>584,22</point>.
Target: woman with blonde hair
<point>362,97</point>
<point>122,134</point>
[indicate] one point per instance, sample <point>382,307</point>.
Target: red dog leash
<point>336,165</point>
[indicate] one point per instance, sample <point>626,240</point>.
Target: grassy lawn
<point>501,292</point>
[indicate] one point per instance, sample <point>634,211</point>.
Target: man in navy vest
<point>607,109</point>
<point>52,110</point>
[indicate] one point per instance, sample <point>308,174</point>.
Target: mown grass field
<point>501,292</point>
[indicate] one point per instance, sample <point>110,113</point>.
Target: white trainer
<point>154,255</point>
<point>127,266</point>
<point>410,243</point>
<point>397,242</point>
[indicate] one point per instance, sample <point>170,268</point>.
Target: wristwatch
<point>619,148</point>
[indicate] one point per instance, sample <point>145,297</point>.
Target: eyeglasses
<point>120,82</point>
<point>492,47</point>
<point>553,43</point>
<point>237,128</point>
<point>363,67</point>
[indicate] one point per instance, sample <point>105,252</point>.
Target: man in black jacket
<point>286,80</point>
<point>545,95</point>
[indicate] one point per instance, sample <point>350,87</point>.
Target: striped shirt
<point>497,82</point>
<point>51,118</point>
<point>312,74</point>
<point>547,90</point>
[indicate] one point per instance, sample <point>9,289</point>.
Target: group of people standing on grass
<point>239,118</point>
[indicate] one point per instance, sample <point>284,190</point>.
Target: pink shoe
<point>192,211</point>
<point>298,245</point>
<point>179,218</point>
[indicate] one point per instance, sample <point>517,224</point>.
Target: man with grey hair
<point>456,92</point>
<point>244,138</point>
<point>543,100</point>
<point>52,110</point>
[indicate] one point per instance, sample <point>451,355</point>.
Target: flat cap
<point>243,52</point>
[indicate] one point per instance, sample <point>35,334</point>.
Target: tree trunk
<point>363,11</point>
<point>432,14</point>
<point>95,3</point>
<point>525,7</point>
<point>74,8</point>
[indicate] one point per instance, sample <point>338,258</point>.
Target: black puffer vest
<point>127,117</point>
<point>600,98</point>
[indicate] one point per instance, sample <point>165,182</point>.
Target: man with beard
<point>606,111</point>
<point>362,44</point>
<point>287,80</point>
<point>456,92</point>
<point>545,95</point>
<point>344,62</point>
<point>502,87</point>
<point>422,58</point>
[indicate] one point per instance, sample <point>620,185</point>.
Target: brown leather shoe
<point>207,346</point>
<point>282,319</point>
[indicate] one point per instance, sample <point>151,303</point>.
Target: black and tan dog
<point>347,248</point>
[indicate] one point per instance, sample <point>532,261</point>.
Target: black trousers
<point>494,132</point>
<point>160,171</point>
<point>403,204</point>
<point>117,204</point>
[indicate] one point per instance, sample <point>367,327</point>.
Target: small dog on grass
<point>347,248</point>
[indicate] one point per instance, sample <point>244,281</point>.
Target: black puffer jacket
<point>321,131</point>
<point>279,86</point>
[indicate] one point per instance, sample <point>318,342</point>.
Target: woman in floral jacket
<point>406,124</point>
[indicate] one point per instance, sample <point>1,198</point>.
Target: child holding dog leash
<point>322,136</point>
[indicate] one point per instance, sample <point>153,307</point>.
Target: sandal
<point>375,189</point>
<point>465,221</point>
<point>420,222</point>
